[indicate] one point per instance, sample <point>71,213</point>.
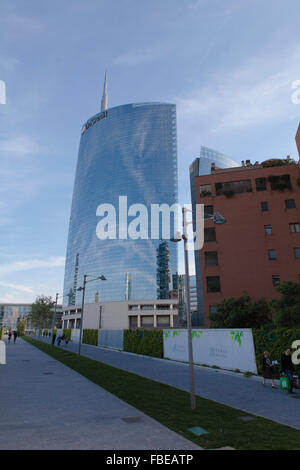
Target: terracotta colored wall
<point>242,245</point>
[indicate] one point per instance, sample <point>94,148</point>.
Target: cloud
<point>52,262</point>
<point>8,64</point>
<point>257,92</point>
<point>17,287</point>
<point>20,146</point>
<point>23,24</point>
<point>139,56</point>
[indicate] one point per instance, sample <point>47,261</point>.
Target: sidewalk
<point>46,405</point>
<point>227,388</point>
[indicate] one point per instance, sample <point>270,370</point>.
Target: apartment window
<point>268,229</point>
<point>290,204</point>
<point>71,323</point>
<point>147,307</point>
<point>276,280</point>
<point>65,323</point>
<point>78,320</point>
<point>163,307</point>
<point>205,190</point>
<point>208,211</point>
<point>233,187</point>
<point>297,252</point>
<point>163,320</point>
<point>213,284</point>
<point>272,254</point>
<point>264,206</point>
<point>261,184</point>
<point>133,322</point>
<point>280,182</point>
<point>294,227</point>
<point>147,321</point>
<point>209,235</point>
<point>211,258</point>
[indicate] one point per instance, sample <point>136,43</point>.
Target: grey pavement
<point>46,405</point>
<point>228,388</point>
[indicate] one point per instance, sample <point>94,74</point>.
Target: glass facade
<point>129,150</point>
<point>10,313</point>
<point>200,167</point>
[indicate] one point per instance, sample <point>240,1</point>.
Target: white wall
<point>226,348</point>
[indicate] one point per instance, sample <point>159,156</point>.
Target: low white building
<point>120,315</point>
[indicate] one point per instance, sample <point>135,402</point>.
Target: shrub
<point>147,342</point>
<point>67,333</point>
<point>275,341</point>
<point>90,337</point>
<point>1,332</point>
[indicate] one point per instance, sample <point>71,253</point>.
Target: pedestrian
<point>287,367</point>
<point>268,369</point>
<point>15,335</point>
<point>67,339</point>
<point>53,337</point>
<point>59,340</point>
<point>9,335</point>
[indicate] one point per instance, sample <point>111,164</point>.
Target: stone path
<point>46,405</point>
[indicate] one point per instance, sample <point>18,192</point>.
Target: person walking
<point>287,367</point>
<point>268,369</point>
<point>9,335</point>
<point>15,335</point>
<point>54,337</point>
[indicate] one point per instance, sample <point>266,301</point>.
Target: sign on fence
<point>226,348</point>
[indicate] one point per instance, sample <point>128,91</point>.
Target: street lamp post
<point>85,281</point>
<point>218,219</point>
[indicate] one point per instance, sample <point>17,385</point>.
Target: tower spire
<point>104,97</point>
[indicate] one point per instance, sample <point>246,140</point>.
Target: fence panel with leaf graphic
<point>225,348</point>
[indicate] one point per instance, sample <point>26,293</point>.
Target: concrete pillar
<point>139,321</point>
<point>155,321</point>
<point>171,321</point>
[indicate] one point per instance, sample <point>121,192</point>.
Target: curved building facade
<point>128,151</point>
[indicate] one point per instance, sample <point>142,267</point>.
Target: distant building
<point>11,313</point>
<point>259,245</point>
<point>123,314</point>
<point>202,166</point>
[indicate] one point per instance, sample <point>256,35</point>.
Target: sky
<point>228,65</point>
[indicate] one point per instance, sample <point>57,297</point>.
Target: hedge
<point>90,337</point>
<point>147,342</point>
<point>67,333</point>
<point>275,341</point>
<point>1,332</point>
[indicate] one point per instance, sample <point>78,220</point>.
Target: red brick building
<point>259,245</point>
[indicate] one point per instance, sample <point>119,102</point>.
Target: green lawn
<point>171,407</point>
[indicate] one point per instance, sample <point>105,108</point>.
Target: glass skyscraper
<point>131,151</point>
<point>200,167</point>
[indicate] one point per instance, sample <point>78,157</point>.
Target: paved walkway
<point>46,405</point>
<point>235,390</point>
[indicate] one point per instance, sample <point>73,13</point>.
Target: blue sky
<point>229,66</point>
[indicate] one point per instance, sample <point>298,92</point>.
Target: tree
<point>21,325</point>
<point>241,312</point>
<point>41,315</point>
<point>286,310</point>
